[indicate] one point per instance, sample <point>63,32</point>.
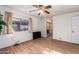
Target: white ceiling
<point>55,10</point>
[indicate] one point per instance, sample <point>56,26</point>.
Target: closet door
<point>75,29</point>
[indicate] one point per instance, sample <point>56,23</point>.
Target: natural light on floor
<point>48,51</point>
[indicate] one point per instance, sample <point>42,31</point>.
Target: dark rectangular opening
<point>36,35</point>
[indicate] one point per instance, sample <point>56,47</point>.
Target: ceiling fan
<point>41,9</point>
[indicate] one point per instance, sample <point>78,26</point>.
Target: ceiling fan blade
<point>47,7</point>
<point>34,5</point>
<point>38,6</point>
<point>46,11</point>
<point>32,10</point>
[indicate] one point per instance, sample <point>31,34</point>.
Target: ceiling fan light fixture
<point>40,11</point>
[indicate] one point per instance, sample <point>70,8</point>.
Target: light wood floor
<point>43,46</point>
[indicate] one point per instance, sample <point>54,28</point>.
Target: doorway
<point>49,28</point>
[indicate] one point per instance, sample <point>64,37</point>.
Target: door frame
<point>51,28</point>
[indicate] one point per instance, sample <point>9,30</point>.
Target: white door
<point>75,29</point>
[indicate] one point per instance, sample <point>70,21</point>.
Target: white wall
<point>10,39</point>
<point>43,27</point>
<point>6,40</point>
<point>62,26</point>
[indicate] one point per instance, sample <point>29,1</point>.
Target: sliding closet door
<point>75,29</point>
